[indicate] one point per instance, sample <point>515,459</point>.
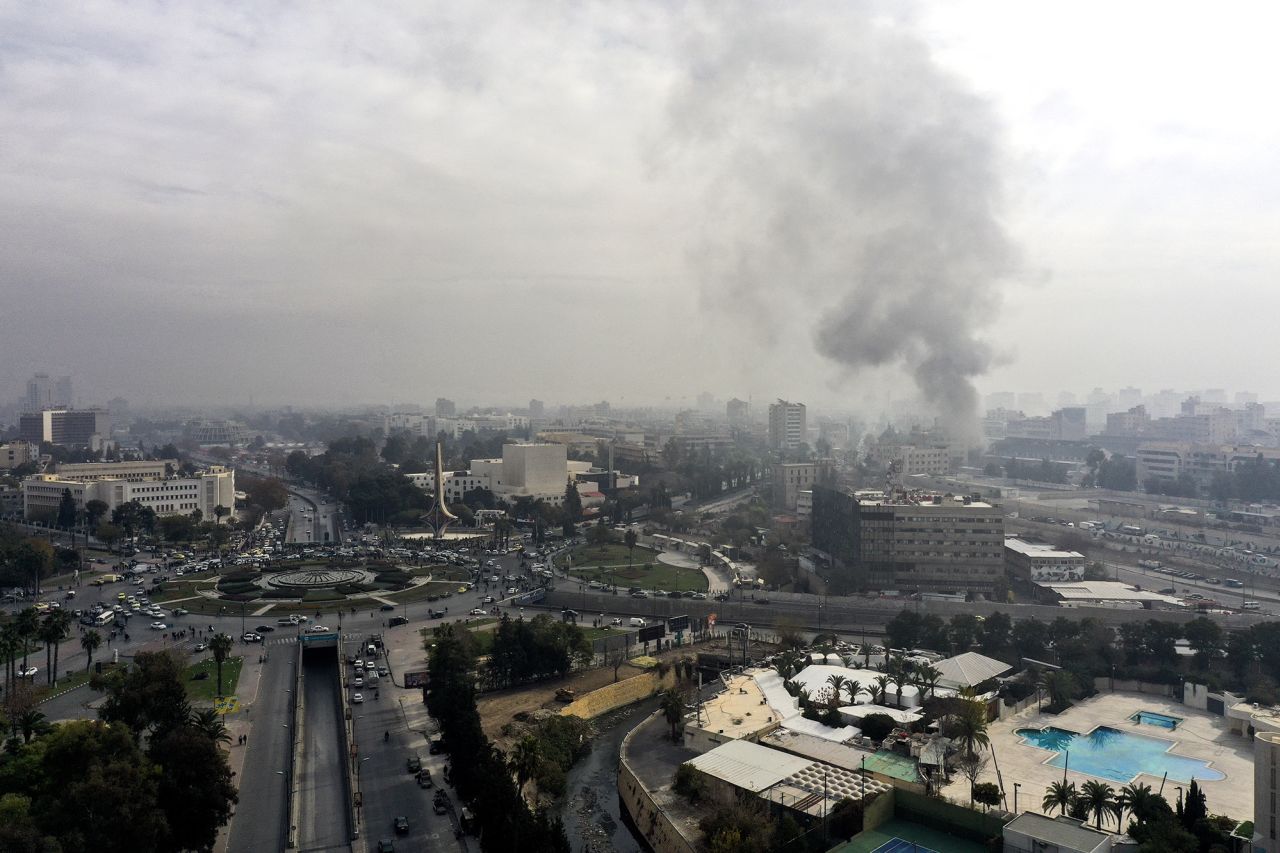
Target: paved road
<point>322,810</point>
<point>259,823</point>
<point>389,790</point>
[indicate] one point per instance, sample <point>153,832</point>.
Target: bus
<point>104,618</point>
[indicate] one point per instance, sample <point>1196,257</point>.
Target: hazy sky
<point>576,201</point>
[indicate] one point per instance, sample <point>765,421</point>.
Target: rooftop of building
<point>749,765</point>
<point>739,710</point>
<point>1038,549</point>
<point>1106,591</point>
<point>1069,835</point>
<point>969,669</point>
<point>894,766</point>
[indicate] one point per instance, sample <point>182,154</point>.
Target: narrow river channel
<point>591,811</point>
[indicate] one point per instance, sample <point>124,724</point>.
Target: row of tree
<point>1186,827</point>
<point>484,778</point>
<point>537,648</point>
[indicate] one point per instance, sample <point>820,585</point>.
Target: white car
<point>370,666</point>
<point>358,664</point>
<point>159,626</point>
<point>616,622</point>
<point>29,672</point>
<point>318,629</point>
<point>357,698</point>
<point>358,681</point>
<point>476,611</point>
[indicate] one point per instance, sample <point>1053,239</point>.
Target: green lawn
<point>657,576</point>
<point>206,689</point>
<point>422,592</point>
<point>603,555</point>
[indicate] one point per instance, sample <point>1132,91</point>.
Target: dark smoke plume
<point>852,180</point>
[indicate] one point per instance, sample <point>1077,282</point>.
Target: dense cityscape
<point>524,427</point>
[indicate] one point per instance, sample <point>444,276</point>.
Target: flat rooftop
<point>737,711</point>
<point>748,765</point>
<point>1039,549</point>
<point>1107,591</point>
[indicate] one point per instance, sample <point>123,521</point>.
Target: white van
<point>637,622</point>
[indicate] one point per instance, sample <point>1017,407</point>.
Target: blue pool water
<point>1117,755</point>
<point>1151,718</point>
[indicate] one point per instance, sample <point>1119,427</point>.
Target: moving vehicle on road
<point>357,698</point>
<point>401,825</point>
<point>159,626</point>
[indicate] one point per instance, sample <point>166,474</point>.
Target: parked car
<point>401,825</point>
<point>414,763</point>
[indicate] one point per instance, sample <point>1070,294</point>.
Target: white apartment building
<point>456,483</point>
<point>791,478</point>
<point>788,425</point>
<point>213,487</point>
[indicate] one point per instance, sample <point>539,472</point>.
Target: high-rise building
<point>445,407</point>
<point>788,425</point>
<point>910,541</point>
<point>67,427</point>
<point>537,409</point>
<point>737,411</point>
<point>1129,397</point>
<point>791,478</point>
<point>44,392</point>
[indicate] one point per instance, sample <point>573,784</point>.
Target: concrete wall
<point>656,827</point>
<point>878,811</point>
<point>1104,684</point>
<point>617,695</point>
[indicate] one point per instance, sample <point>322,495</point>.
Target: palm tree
<point>53,632</point>
<point>10,645</point>
<point>220,645</point>
<point>881,690</point>
<point>31,723</point>
<point>525,757</point>
<point>90,641</point>
<point>672,707</point>
<point>971,727</point>
<point>853,688</point>
<point>1136,798</point>
<point>1061,686</point>
<point>837,682</point>
<point>1098,799</point>
<point>927,678</point>
<point>208,722</point>
<point>28,625</point>
<point>1058,796</point>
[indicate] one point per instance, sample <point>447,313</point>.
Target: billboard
<point>415,679</point>
<point>652,632</point>
<point>678,623</point>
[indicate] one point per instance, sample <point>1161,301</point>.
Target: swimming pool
<point>1151,718</point>
<point>1117,755</point>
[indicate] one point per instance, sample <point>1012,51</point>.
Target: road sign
<point>678,623</point>
<point>652,632</point>
<point>415,679</point>
<point>226,705</point>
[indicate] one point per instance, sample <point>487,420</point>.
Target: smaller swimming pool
<point>1151,718</point>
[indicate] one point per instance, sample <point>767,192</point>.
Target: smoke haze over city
<point>835,202</point>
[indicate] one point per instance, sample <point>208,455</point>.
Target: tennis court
<point>898,845</point>
<point>903,836</point>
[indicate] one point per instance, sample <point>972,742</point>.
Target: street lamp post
<point>1016,786</point>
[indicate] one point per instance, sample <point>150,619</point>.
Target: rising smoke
<point>852,185</point>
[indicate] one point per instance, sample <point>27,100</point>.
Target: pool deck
<point>1200,735</point>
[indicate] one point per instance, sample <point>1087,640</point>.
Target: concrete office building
<point>788,425</point>
<point>16,453</point>
<point>790,478</point>
<point>527,470</point>
<point>456,483</point>
<point>66,427</point>
<point>445,408</point>
<point>933,460</point>
<point>89,472</point>
<point>1168,460</point>
<point>910,541</point>
<point>208,489</point>
<point>737,411</point>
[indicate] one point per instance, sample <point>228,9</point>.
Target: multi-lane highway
<point>323,804</point>
<point>260,822</point>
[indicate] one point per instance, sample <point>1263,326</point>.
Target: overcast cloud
<point>497,201</point>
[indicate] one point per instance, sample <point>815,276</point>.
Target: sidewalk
<point>239,724</point>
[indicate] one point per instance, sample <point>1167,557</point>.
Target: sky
<point>832,202</point>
